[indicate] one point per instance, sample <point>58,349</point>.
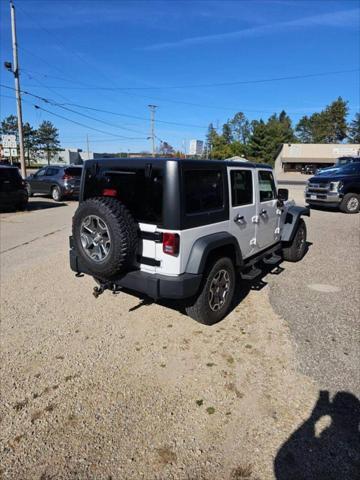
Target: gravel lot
<point>120,388</point>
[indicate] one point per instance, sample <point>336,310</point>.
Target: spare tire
<point>105,236</point>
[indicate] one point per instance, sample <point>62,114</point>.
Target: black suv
<point>57,181</point>
<point>13,192</point>
<point>338,187</point>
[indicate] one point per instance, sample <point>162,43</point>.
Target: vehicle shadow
<point>242,289</point>
<point>327,445</point>
<point>32,206</point>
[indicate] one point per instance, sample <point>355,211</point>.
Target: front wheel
<point>56,194</point>
<point>216,294</point>
<point>297,249</point>
<point>350,203</point>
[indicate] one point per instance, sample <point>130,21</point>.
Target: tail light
<point>67,177</point>
<point>171,243</point>
<point>109,192</point>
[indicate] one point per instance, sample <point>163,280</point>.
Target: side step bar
<point>273,260</point>
<point>251,274</point>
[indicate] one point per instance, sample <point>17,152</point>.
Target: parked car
<point>13,191</point>
<point>57,181</point>
<point>182,229</point>
<point>338,187</point>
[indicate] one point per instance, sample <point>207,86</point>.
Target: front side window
<point>267,187</point>
<point>241,187</point>
<point>203,191</point>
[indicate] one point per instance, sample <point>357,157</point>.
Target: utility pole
<point>152,123</point>
<point>16,73</point>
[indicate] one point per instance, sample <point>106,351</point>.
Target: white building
<point>294,156</point>
<point>196,147</point>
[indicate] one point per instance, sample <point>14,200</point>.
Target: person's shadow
<point>327,445</point>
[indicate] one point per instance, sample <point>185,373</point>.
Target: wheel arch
<point>210,247</point>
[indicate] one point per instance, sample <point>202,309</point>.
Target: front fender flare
<point>292,219</point>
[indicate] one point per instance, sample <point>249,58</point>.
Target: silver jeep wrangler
<point>182,229</point>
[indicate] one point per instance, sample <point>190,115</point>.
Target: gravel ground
<point>118,388</point>
<point>322,301</point>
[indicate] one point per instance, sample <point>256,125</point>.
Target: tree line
<point>43,139</point>
<point>260,140</point>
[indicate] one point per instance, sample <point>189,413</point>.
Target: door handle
<point>263,212</point>
<point>239,219</point>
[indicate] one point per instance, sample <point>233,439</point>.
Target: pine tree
<point>240,128</point>
<point>354,130</point>
<point>48,139</point>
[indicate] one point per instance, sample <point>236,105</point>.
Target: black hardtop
<point>193,162</point>
<point>8,167</point>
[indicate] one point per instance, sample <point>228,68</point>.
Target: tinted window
<point>142,195</point>
<point>9,174</point>
<point>241,187</point>
<point>266,186</point>
<point>50,172</point>
<point>203,190</point>
<point>40,173</point>
<point>73,171</point>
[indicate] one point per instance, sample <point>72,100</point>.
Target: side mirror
<point>283,194</point>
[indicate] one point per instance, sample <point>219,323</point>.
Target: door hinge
<point>253,242</point>
<point>277,230</point>
<point>255,219</point>
<point>278,211</point>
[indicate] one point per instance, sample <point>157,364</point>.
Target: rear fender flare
<point>205,245</point>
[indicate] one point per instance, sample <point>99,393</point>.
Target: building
<point>196,147</point>
<point>293,156</point>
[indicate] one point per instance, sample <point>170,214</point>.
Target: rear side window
<point>73,171</point>
<point>50,172</point>
<point>203,191</point>
<point>267,187</point>
<point>241,187</point>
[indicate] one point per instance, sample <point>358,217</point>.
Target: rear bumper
<point>151,284</point>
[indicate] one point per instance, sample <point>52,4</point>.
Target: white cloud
<point>342,18</point>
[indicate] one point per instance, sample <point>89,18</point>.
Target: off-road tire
<point>56,194</point>
<point>350,203</point>
<point>200,309</point>
<point>297,249</point>
<point>123,231</point>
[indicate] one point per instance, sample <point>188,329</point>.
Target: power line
<point>56,104</point>
<point>210,85</point>
<point>87,126</point>
<point>105,111</point>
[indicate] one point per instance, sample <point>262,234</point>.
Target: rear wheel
<point>56,194</point>
<point>297,249</point>
<point>350,203</point>
<point>216,294</point>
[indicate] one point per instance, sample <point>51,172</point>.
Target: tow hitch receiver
<point>105,286</point>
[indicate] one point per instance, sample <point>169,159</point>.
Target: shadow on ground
<point>33,206</point>
<point>327,445</point>
<point>242,289</point>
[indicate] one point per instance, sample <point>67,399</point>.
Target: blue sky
<point>170,53</point>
